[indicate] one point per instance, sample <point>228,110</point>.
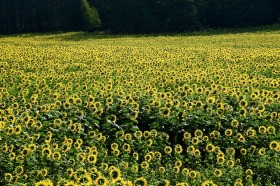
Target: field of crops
<point>165,110</point>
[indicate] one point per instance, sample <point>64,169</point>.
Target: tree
<point>91,17</point>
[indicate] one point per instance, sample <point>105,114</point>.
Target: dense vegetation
<point>134,16</point>
<point>76,110</point>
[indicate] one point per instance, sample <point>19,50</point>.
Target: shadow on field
<point>79,36</point>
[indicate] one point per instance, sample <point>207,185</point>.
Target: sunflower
<point>249,172</point>
<point>147,134</point>
<point>187,135</point>
<point>91,158</point>
<point>234,123</point>
<point>250,133</point>
<point>115,174</point>
<point>243,111</point>
<point>218,172</point>
<point>198,133</point>
<point>230,163</point>
<point>56,156</point>
<point>193,174</point>
<point>195,140</point>
<point>271,130</point>
<point>134,168</point>
<point>210,147</point>
<point>116,152</point>
<point>273,145</point>
<point>114,146</point>
<point>101,181</point>
<point>25,151</point>
<point>140,182</point>
<point>47,152</point>
<point>135,155</point>
<point>12,156</point>
<point>262,129</point>
<point>148,157</point>
<point>164,111</point>
<point>191,149</point>
<point>138,134</point>
<point>17,130</point>
<point>243,151</point>
<point>197,153</point>
<point>128,137</point>
<point>228,132</point>
<point>262,151</point>
<point>205,138</point>
<point>150,142</point>
<point>8,177</point>
<point>168,150</point>
<point>144,165</point>
<point>178,149</point>
<point>104,166</point>
<point>220,160</point>
<point>44,172</point>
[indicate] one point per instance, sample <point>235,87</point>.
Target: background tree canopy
<point>134,16</point>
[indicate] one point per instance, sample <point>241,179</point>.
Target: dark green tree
<point>91,17</point>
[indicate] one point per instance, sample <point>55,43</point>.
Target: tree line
<point>134,16</point>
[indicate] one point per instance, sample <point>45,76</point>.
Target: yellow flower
<point>218,172</point>
<point>18,130</point>
<point>91,158</point>
<point>138,134</point>
<point>262,129</point>
<point>148,157</point>
<point>168,150</point>
<point>134,168</point>
<point>147,134</point>
<point>234,123</point>
<point>114,146</point>
<point>178,163</point>
<point>140,181</point>
<point>230,163</point>
<point>187,135</point>
<point>208,183</point>
<point>195,140</point>
<point>228,132</point>
<point>178,149</point>
<point>128,137</point>
<point>193,174</point>
<point>262,151</point>
<point>101,181</point>
<point>274,145</point>
<point>144,165</point>
<point>210,147</point>
<point>190,149</point>
<point>46,152</point>
<point>243,151</point>
<point>271,130</point>
<point>197,153</point>
<point>150,142</point>
<point>12,156</point>
<point>220,160</point>
<point>8,177</point>
<point>249,172</point>
<point>115,174</point>
<point>44,172</point>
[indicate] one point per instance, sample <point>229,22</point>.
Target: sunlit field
<point>77,109</point>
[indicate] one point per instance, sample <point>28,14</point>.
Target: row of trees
<point>134,16</point>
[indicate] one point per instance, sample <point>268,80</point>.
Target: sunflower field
<point>159,111</point>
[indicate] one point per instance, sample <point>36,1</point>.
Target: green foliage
<point>90,16</point>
